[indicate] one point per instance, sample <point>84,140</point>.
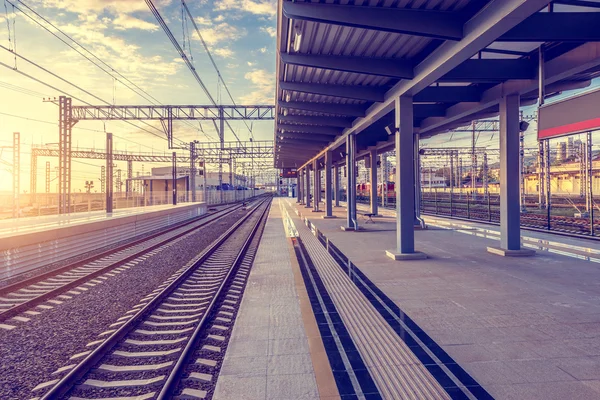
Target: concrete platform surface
<point>268,356</point>
<point>523,328</point>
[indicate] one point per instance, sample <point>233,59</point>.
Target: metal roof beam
<point>323,130</point>
<point>305,136</point>
<point>556,27</point>
<point>448,94</point>
<point>576,61</point>
<point>310,120</point>
<point>399,69</point>
<point>434,24</point>
<point>326,108</point>
<point>357,92</point>
<point>491,70</point>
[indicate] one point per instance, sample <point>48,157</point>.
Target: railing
<point>564,215</point>
<point>47,203</point>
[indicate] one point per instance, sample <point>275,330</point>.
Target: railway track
<point>55,286</point>
<point>481,212</point>
<point>172,341</point>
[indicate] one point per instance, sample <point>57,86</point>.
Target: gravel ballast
<point>31,352</point>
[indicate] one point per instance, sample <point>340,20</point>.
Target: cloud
<point>203,20</point>
<point>258,7</point>
<point>224,52</point>
<point>263,84</point>
<point>95,6</point>
<point>222,32</point>
<point>124,22</point>
<point>269,30</point>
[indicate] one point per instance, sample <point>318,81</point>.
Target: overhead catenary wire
<point>68,94</point>
<point>185,58</point>
<point>124,80</point>
<point>220,77</point>
<point>75,127</point>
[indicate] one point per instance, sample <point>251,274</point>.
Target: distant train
<point>363,191</point>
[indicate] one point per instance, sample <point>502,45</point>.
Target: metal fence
<point>47,203</point>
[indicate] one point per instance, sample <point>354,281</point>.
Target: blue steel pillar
<point>336,185</point>
<point>351,220</point>
<point>317,186</point>
<point>405,183</point>
<point>373,181</point>
<point>328,197</point>
<point>510,210</point>
<point>307,186</point>
<point>298,185</point>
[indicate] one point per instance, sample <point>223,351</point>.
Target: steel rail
<point>28,304</point>
<point>177,371</point>
<point>62,387</point>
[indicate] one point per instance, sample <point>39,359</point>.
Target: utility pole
<point>129,177</point>
<point>193,169</point>
<point>541,159</point>
<point>119,183</point>
<point>109,173</point>
<point>33,178</point>
<point>485,174</point>
<point>47,181</point>
<point>174,178</point>
<point>16,172</point>
<point>64,177</point>
<point>88,189</point>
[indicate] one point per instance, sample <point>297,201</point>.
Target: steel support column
<point>336,185</point>
<point>405,182</point>
<point>351,220</point>
<point>129,177</point>
<point>373,182</point>
<point>328,191</point>
<point>316,186</point>
<point>174,180</point>
<point>510,210</point>
<point>307,186</point>
<point>109,173</point>
<point>193,170</point>
<point>65,124</point>
<point>299,187</point>
<point>16,172</point>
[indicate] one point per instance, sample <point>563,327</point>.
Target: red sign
<point>570,116</point>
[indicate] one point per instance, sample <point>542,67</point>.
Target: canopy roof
<point>341,64</point>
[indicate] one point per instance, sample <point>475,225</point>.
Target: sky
<point>125,35</point>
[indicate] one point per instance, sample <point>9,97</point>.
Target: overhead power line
<point>64,92</point>
<point>109,70</point>
<point>220,77</point>
<point>185,58</point>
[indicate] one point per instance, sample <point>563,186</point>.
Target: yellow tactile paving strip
<point>394,368</point>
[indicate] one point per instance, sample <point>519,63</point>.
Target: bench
<point>369,217</point>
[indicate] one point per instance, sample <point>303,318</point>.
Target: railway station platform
<point>269,353</point>
<point>31,242</point>
<point>472,323</point>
